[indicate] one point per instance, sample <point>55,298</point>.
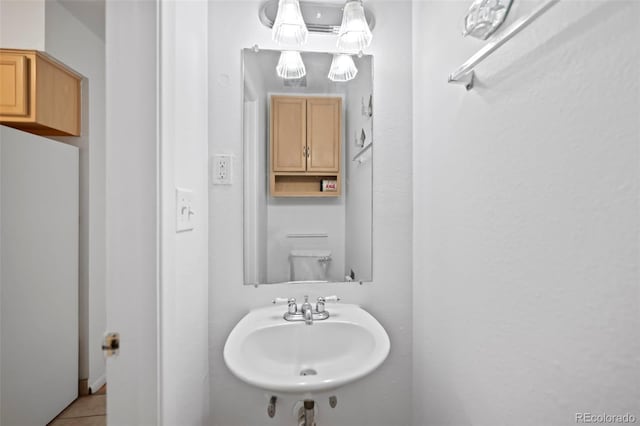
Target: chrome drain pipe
<point>307,413</point>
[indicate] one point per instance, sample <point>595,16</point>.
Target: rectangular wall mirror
<point>308,172</point>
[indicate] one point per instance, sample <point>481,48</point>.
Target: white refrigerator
<point>38,277</point>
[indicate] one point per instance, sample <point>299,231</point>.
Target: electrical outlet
<point>222,169</point>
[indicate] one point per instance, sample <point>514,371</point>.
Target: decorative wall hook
<point>367,110</point>
<point>361,139</point>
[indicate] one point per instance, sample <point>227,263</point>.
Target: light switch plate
<point>222,169</point>
<point>184,210</point>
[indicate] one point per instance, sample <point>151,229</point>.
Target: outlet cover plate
<point>222,169</point>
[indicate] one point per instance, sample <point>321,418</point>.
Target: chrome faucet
<point>306,312</point>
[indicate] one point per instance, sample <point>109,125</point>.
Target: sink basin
<point>270,353</point>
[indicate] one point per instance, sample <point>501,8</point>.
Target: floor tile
<point>80,421</point>
<point>94,405</point>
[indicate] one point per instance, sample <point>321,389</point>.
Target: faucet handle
<point>291,302</point>
<point>322,300</point>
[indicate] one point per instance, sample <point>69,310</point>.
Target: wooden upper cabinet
<point>305,144</point>
<point>323,134</point>
<point>38,94</point>
<point>288,133</point>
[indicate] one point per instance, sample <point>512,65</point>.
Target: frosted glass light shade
<point>342,68</point>
<point>354,33</point>
<point>289,27</point>
<point>290,65</point>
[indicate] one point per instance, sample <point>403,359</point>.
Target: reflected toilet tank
<point>309,265</point>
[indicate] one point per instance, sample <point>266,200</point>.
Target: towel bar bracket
<point>467,79</point>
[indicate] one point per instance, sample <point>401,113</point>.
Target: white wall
<point>381,399</point>
<point>76,45</point>
<point>184,126</point>
<point>526,219</point>
<point>22,24</point>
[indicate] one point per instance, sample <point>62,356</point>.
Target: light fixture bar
<point>320,18</point>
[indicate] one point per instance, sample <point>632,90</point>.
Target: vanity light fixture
<point>320,16</point>
<point>289,27</point>
<point>342,68</point>
<point>354,34</point>
<point>290,65</point>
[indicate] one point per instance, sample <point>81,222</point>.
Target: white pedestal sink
<point>270,353</point>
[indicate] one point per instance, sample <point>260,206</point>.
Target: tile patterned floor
<point>88,410</point>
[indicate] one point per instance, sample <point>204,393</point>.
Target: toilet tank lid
<point>310,253</point>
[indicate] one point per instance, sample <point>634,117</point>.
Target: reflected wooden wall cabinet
<point>305,145</point>
<point>38,94</point>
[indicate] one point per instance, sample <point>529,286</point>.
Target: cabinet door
<point>288,136</point>
<point>323,134</point>
<point>13,85</point>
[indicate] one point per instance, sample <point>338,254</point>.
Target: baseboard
<point>83,387</point>
<point>100,381</point>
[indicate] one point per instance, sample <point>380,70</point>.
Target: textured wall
<point>526,215</point>
<point>185,284</point>
<point>382,399</point>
